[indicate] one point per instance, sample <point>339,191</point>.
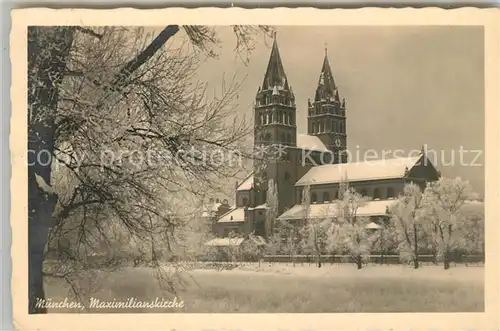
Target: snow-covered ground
<point>459,272</point>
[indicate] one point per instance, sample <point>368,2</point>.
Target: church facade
<point>318,159</point>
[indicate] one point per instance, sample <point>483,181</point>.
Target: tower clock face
<point>338,142</point>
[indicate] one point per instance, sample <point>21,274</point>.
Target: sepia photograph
<point>255,168</point>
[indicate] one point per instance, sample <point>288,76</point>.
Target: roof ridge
<point>228,212</point>
<point>370,161</point>
<point>244,180</point>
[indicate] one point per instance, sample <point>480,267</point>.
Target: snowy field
<point>458,273</point>
<point>284,288</point>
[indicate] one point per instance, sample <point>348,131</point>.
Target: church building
<point>318,159</point>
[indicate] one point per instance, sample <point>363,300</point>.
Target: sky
<point>404,86</point>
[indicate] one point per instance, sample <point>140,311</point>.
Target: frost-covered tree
<point>314,229</point>
<point>293,242</point>
<point>314,236</point>
<point>472,232</point>
<point>274,242</point>
<point>407,219</point>
<point>271,206</point>
<point>348,233</point>
<point>117,122</point>
<point>443,204</point>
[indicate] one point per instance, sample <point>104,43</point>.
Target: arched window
<point>376,193</point>
<point>320,127</point>
<point>291,120</point>
<point>390,192</point>
<point>314,198</point>
<point>326,197</point>
<point>314,128</point>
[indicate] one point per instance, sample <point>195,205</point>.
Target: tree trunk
<point>381,247</point>
<point>317,249</point>
<point>48,49</point>
<point>415,247</point>
<point>446,259</point>
<point>359,262</point>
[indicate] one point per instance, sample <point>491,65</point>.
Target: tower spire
<point>326,85</point>
<point>331,130</point>
<point>275,73</point>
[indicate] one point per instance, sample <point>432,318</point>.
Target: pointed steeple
<point>275,73</point>
<point>326,85</point>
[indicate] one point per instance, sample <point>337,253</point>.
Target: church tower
<point>326,114</point>
<point>274,128</point>
<point>275,106</point>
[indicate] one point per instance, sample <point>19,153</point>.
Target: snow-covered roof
<point>225,242</point>
<point>258,240</point>
<point>234,215</point>
<point>246,184</point>
<point>358,171</point>
<point>312,143</point>
<point>372,226</point>
<point>263,206</point>
<point>371,208</point>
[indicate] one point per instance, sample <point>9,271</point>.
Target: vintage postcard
<point>292,169</point>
